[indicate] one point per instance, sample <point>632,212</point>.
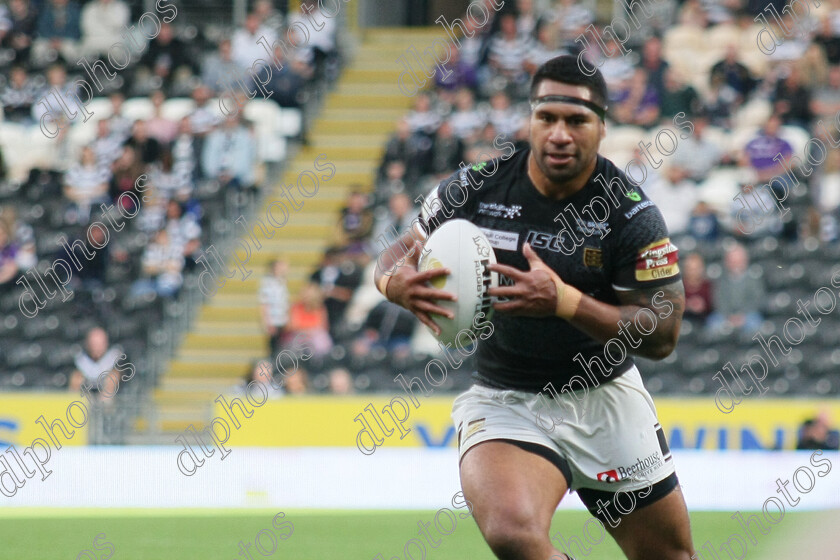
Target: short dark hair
<point>565,69</point>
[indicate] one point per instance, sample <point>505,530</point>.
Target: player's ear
<point>602,127</point>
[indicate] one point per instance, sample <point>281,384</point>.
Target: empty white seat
<point>138,108</point>
<point>177,108</point>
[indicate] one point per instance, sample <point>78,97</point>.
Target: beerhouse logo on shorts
<point>657,260</point>
<point>641,467</point>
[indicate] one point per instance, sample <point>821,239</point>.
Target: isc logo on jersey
<point>657,260</point>
<point>542,240</point>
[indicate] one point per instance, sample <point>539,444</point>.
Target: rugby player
<point>571,285</point>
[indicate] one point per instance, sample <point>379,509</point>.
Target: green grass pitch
<point>157,534</point>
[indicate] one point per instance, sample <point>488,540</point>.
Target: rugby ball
<point>464,249</point>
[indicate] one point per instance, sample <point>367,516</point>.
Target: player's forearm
<point>650,326</point>
<point>398,254</point>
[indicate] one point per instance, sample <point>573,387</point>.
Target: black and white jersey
<point>605,238</point>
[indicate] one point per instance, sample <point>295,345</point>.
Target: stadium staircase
<point>358,115</point>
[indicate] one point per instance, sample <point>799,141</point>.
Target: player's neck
<point>558,191</point>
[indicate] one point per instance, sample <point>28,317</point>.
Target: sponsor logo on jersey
<point>495,210</point>
<point>657,260</point>
<point>638,469</point>
<point>593,258</point>
<point>543,240</point>
<point>498,239</point>
<point>638,208</point>
<point>479,166</point>
<point>634,196</point>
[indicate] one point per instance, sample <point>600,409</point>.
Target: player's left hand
<point>538,292</point>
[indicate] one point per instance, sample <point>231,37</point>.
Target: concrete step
<point>360,140</point>
<point>370,100</point>
<point>221,342</point>
<point>251,328</point>
<point>368,115</point>
<point>355,127</point>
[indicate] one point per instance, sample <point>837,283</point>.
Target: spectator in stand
<point>18,97</point>
<point>219,69</point>
<point>23,23</point>
<point>456,73</point>
<point>159,127</point>
<point>677,97</point>
<point>56,82</point>
<point>245,49</point>
<point>504,118</point>
<point>184,231</point>
<point>412,150</point>
<point>296,382</point>
<point>397,220</point>
<point>720,102</point>
<point>9,266</point>
<point>340,382</point>
<point>337,278</point>
<point>320,47</point>
<point>733,73</point>
<point>308,316</point>
<point>269,17</point>
<point>792,100</point>
<point>102,23</point>
<point>617,70</point>
<point>654,65</point>
<point>572,18</point>
<point>751,218</point>
<point>828,37</point>
<point>695,156</point>
<point>85,187</point>
<point>59,31</point>
<point>106,146</point>
<point>638,103</point>
<point>170,183</point>
<point>813,67</point>
<point>506,61</point>
<point>203,119</point>
<point>547,46</point>
<point>163,266</point>
<point>229,155</point>
<point>186,152</point>
<point>97,358</point>
<point>703,225</point>
<point>447,150</point>
<point>675,200</point>
<point>260,373</point>
<point>169,60</point>
<point>274,304</point>
<point>816,433</point>
<point>698,290</point>
<point>466,120</point>
<point>149,149</point>
<point>387,326</point>
<point>769,154</point>
<point>738,295</point>
<point>423,118</point>
<point>119,124</point>
<point>287,82</point>
<point>356,222</point>
<point>826,101</point>
<point>93,275</point>
<point>125,172</point>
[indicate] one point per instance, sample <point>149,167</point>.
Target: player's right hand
<point>410,289</point>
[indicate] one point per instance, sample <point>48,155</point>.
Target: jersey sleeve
<point>645,257</point>
<point>452,198</point>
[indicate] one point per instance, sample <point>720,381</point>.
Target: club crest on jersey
<point>657,260</point>
<point>495,210</point>
<point>593,258</point>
